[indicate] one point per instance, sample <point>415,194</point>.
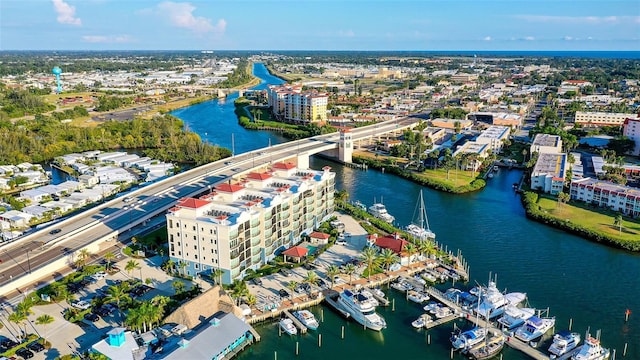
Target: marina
<point>487,248</point>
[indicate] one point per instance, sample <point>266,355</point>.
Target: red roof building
<point>259,176</point>
<point>192,203</point>
<point>319,237</point>
<point>229,188</point>
<point>284,166</point>
<point>296,252</point>
<point>395,243</point>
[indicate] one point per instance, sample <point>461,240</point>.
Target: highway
<point>30,252</point>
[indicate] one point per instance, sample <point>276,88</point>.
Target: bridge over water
<point>36,258</point>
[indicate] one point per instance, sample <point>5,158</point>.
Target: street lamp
<point>28,259</point>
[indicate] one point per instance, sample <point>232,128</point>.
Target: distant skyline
<point>422,25</point>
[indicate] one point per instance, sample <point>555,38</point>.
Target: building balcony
<point>256,241</point>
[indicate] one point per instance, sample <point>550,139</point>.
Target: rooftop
<point>550,164</point>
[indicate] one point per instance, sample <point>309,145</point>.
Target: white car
<point>99,275</point>
<point>341,242</point>
<point>83,305</point>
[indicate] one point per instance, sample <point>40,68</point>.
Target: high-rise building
<point>290,103</point>
<point>244,225</point>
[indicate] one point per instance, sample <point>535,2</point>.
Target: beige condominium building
<point>591,119</point>
<point>290,103</point>
<point>241,226</point>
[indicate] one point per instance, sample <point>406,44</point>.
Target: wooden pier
<point>296,322</point>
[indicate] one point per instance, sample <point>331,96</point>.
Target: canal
<point>576,279</point>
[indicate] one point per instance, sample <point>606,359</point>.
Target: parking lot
<point>67,337</point>
<point>269,293</point>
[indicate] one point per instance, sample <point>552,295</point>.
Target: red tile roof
<point>389,242</point>
<point>258,176</point>
<point>296,251</point>
<point>284,166</point>
<point>318,235</point>
<point>192,203</point>
<point>229,188</point>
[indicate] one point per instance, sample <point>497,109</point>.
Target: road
<point>30,252</point>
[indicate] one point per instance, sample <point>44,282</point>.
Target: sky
<point>420,25</point>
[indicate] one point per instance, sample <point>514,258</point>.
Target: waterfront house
<point>120,344</point>
<point>549,173</point>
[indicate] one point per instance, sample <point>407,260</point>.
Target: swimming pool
<point>311,248</point>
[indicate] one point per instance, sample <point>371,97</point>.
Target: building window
<point>195,265</point>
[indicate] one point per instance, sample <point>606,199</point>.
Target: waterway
<point>577,279</point>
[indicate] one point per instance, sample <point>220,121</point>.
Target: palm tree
<point>170,266</point>
<point>411,250</point>
<point>617,221</point>
<point>251,300</point>
<point>182,265</point>
<point>388,258</point>
<point>311,278</point>
<point>134,318</point>
<point>292,285</point>
<point>239,290</point>
<point>19,319</point>
<point>82,257</point>
<point>370,257</point>
<point>332,271</point>
<point>178,286</point>
<point>563,197</point>
<point>118,293</point>
<point>132,265</point>
<point>44,319</point>
<point>109,258</point>
<point>349,269</point>
<point>424,247</point>
<point>216,275</point>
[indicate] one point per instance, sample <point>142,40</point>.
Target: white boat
<point>307,318</point>
<point>422,321</point>
<point>380,211</point>
<point>427,276</point>
<point>372,299</point>
<point>591,350</point>
<point>443,311</point>
<point>431,307</point>
<point>493,302</point>
<point>419,228</point>
<point>467,339</point>
<point>379,293</point>
<point>489,349</point>
<point>402,286</point>
<point>287,326</point>
<point>514,317</point>
<point>417,297</point>
<point>361,310</point>
<point>534,327</point>
<point>563,342</point>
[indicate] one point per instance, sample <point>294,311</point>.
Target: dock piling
<point>322,315</point>
<point>570,323</point>
<point>342,332</point>
<point>451,353</point>
<point>428,339</point>
<point>393,305</point>
<point>319,340</point>
<point>297,344</point>
<point>275,355</point>
<point>613,357</point>
<point>624,350</point>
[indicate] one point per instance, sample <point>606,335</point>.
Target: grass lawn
<point>456,178</point>
<point>592,218</point>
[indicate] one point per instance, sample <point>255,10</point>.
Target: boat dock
<point>383,301</point>
<point>510,340</point>
<point>296,322</point>
<point>444,320</point>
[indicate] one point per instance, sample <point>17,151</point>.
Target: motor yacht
<point>563,342</point>
<point>534,327</point>
<point>287,326</point>
<point>361,309</point>
<point>307,318</point>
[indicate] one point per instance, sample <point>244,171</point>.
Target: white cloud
<point>181,15</point>
<point>568,38</point>
<point>529,38</point>
<point>66,13</point>
<point>107,39</point>
<point>346,33</point>
<point>580,19</point>
<point>487,38</point>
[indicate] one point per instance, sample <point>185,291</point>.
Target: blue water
<point>216,123</point>
<point>577,279</point>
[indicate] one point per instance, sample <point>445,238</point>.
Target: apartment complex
<point>607,194</point>
<point>631,129</point>
<point>549,173</point>
<point>242,226</point>
<point>546,143</point>
<point>290,103</point>
<point>591,119</point>
<point>494,136</point>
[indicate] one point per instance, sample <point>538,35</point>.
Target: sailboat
<point>420,228</point>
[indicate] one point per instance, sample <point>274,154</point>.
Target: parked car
<point>257,281</point>
<point>283,293</point>
<point>341,242</point>
<point>323,284</point>
<point>8,344</point>
<point>24,353</point>
<point>83,305</point>
<point>99,275</point>
<point>285,271</point>
<point>54,231</point>
<point>91,317</point>
<point>35,346</point>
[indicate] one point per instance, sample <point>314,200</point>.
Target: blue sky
<point>320,25</point>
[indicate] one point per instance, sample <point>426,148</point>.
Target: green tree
<point>178,287</point>
<point>349,269</point>
<point>411,250</point>
<point>370,257</point>
<point>216,275</point>
<point>132,265</point>
<point>44,320</point>
<point>388,258</point>
<point>109,259</point>
<point>617,221</point>
<point>118,293</point>
<point>332,271</point>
